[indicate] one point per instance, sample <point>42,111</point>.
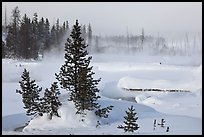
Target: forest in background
<point>26,38</point>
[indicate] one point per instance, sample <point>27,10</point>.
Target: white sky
<point>114,18</point>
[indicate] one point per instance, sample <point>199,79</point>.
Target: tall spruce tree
<point>35,35</point>
<point>41,35</point>
<point>130,123</point>
<point>50,101</point>
<point>76,75</point>
<point>53,36</point>
<point>16,26</point>
<point>12,39</point>
<point>10,43</point>
<point>25,38</point>
<point>30,95</point>
<point>47,35</point>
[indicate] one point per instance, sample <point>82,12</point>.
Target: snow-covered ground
<point>182,111</point>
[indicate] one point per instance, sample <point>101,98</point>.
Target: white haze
<point>168,19</point>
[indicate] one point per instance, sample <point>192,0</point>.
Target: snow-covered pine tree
<point>30,95</point>
<point>76,75</point>
<point>50,101</point>
<point>86,97</point>
<point>130,123</point>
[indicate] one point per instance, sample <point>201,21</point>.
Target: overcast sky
<point>115,18</point>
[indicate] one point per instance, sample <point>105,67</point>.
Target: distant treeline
<point>30,38</point>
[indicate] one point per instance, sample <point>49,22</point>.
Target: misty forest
<point>27,38</point>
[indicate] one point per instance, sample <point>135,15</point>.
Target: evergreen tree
<point>64,27</point>
<point>86,98</point>
<point>3,49</point>
<point>16,26</point>
<point>41,35</point>
<point>12,39</point>
<point>130,123</point>
<point>63,30</point>
<point>67,29</point>
<point>51,102</point>
<point>53,36</point>
<point>30,95</point>
<point>47,35</point>
<point>41,29</point>
<point>10,43</point>
<point>103,112</point>
<point>97,49</point>
<point>35,35</point>
<point>89,33</point>
<point>57,32</point>
<point>76,75</point>
<point>142,36</point>
<point>25,38</point>
<point>83,33</point>
<point>16,17</point>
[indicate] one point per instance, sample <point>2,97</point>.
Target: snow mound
<point>163,84</point>
<point>67,119</point>
<point>147,99</point>
<point>133,83</point>
<point>140,98</point>
<point>152,100</point>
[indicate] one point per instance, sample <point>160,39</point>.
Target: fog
<point>168,19</point>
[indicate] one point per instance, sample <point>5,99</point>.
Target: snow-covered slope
<point>181,111</point>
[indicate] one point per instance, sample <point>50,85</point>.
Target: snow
<point>17,120</point>
<point>182,111</point>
